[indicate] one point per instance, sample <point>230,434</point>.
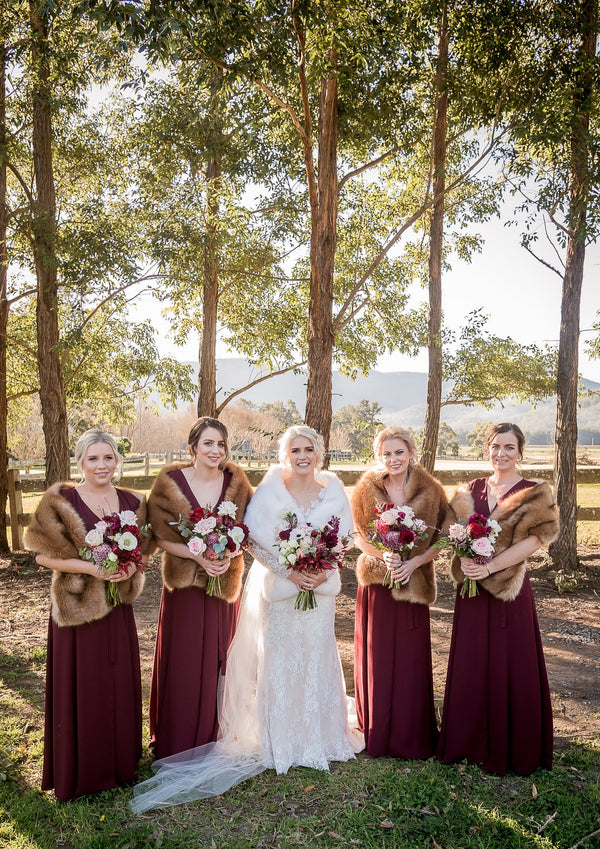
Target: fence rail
<point>17,520</point>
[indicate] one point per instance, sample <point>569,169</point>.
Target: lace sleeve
<point>267,558</point>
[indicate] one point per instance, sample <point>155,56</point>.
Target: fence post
<point>147,464</point>
<point>15,504</point>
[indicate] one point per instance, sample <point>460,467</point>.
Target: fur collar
<point>272,500</point>
<point>529,512</point>
<point>167,503</point>
<point>57,530</point>
<point>427,498</point>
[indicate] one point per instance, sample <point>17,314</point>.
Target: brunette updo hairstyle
<point>198,428</point>
<point>92,437</point>
<point>394,432</point>
<point>507,427</point>
<point>308,433</point>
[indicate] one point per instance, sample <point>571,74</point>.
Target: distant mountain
<point>402,396</point>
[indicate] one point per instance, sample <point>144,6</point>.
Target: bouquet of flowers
<point>396,529</point>
<point>475,539</point>
<point>303,547</point>
<point>213,534</point>
<point>113,544</point>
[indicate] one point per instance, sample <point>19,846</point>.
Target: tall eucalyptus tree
<point>557,173</point>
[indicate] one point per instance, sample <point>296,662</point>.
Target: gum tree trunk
<point>52,391</point>
<point>4,308</point>
<point>563,551</point>
<point>322,257</point>
<point>436,239</point>
<point>207,374</point>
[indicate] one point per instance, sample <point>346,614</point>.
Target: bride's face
<point>302,456</point>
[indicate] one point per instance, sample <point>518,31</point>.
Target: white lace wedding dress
<point>283,700</point>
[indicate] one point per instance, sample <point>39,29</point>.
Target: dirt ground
<point>569,622</point>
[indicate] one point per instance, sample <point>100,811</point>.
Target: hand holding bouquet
<point>474,539</point>
<point>215,534</point>
<point>114,543</point>
<point>303,547</point>
<point>396,529</point>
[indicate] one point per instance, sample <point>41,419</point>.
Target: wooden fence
<point>17,520</point>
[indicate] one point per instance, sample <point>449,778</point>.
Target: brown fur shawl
<point>529,512</point>
<point>427,498</point>
<point>166,503</point>
<point>57,530</point>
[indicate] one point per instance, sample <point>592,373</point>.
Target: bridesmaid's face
<point>395,456</point>
<point>503,451</point>
<point>98,464</point>
<point>302,456</point>
<point>210,449</point>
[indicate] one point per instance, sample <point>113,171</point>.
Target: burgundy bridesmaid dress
<point>497,709</point>
<point>194,632</point>
<point>393,675</point>
<point>93,721</point>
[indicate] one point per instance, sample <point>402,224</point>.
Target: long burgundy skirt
<point>393,675</point>
<point>497,709</point>
<point>194,632</point>
<point>93,725</point>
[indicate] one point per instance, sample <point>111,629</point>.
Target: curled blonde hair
<point>300,430</point>
<point>92,437</point>
<point>394,432</point>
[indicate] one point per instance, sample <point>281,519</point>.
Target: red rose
<point>476,531</point>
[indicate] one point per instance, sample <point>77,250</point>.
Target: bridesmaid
<point>194,629</point>
<point>93,720</point>
<point>497,709</point>
<point>392,644</point>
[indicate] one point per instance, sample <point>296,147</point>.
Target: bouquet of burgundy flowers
<point>303,547</point>
<point>213,534</point>
<point>113,544</point>
<point>475,539</point>
<point>396,529</point>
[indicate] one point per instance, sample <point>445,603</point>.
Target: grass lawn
<point>364,803</point>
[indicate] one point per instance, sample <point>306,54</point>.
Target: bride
<point>283,701</point>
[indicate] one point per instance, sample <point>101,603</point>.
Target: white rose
<point>196,545</point>
<point>389,516</point>
<point>482,547</point>
<point>493,524</point>
<point>237,535</point>
<point>227,508</point>
<point>94,538</point>
<point>205,526</point>
<point>408,511</point>
<point>126,541</point>
<point>128,517</point>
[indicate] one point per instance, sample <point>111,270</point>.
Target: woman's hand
<point>307,580</point>
<point>401,570</point>
<point>473,570</point>
<point>213,567</point>
<point>121,575</point>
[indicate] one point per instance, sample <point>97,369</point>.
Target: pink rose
<point>482,547</point>
<point>196,545</point>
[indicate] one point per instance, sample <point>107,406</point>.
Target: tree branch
<point>365,167</point>
<point>255,382</point>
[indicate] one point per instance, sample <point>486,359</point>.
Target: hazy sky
<point>521,296</point>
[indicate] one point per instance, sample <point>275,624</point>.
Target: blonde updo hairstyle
<point>92,437</point>
<point>291,433</point>
<point>394,432</point>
